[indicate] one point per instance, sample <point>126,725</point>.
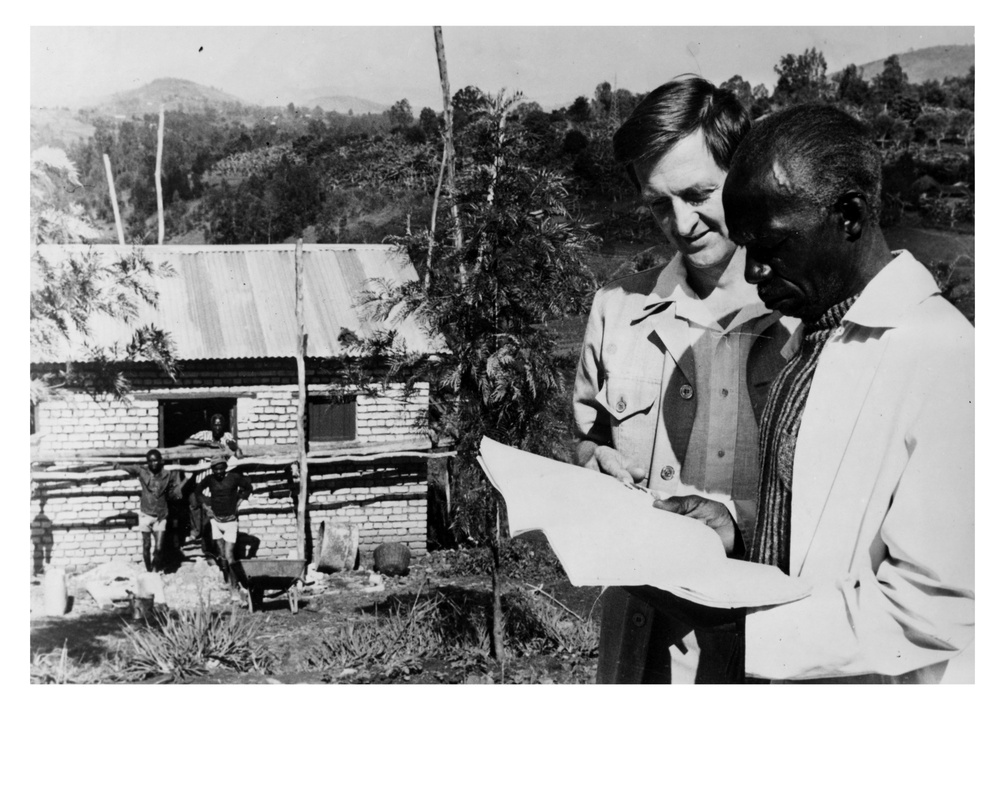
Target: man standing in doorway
<point>217,436</point>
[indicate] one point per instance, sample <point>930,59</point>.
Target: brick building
<point>231,313</point>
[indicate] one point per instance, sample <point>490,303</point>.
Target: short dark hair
<point>154,452</point>
<point>828,153</point>
<point>677,109</point>
<point>214,417</point>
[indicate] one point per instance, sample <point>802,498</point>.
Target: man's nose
<point>755,271</point>
<point>685,218</point>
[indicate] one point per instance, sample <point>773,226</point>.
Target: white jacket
<point>882,498</point>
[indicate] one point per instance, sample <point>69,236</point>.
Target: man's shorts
<point>224,530</point>
<point>148,524</point>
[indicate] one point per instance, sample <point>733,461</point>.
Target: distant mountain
<point>928,63</point>
<point>175,94</point>
<point>57,127</point>
<point>342,104</point>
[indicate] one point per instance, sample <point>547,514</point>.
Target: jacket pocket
<point>625,396</point>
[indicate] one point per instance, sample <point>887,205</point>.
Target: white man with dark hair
<point>676,363</point>
<point>867,439</point>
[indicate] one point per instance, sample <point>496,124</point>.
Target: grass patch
<point>451,625</point>
<point>58,666</point>
<point>182,645</point>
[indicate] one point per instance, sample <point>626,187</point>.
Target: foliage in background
<point>68,297</point>
<point>522,258</point>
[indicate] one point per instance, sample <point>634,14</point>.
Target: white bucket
<point>55,592</point>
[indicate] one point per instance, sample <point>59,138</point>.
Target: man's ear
<point>854,213</point>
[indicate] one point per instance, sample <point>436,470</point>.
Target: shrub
<point>59,667</point>
<point>183,645</point>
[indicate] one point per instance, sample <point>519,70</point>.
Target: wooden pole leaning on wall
<point>159,181</point>
<point>300,417</point>
<point>114,199</point>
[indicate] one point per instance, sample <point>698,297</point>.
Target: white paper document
<point>606,533</point>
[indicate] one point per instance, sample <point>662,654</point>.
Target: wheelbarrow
<point>276,575</point>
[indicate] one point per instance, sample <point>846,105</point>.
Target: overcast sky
<point>551,65</point>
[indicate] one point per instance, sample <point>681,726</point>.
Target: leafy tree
<point>892,82</point>
<point>852,87</point>
<point>932,93</point>
<point>521,258</point>
<point>603,99</point>
<point>801,79</point>
<point>934,125</point>
<point>962,90</point>
<point>579,111</point>
<point>963,124</point>
<point>400,115</point>
<point>742,90</point>
<point>468,105</point>
<point>430,123</point>
<point>761,101</point>
<point>66,297</point>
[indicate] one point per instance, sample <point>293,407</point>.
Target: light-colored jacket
<point>882,498</point>
<point>635,382</point>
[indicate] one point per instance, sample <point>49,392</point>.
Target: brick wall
<point>95,523</point>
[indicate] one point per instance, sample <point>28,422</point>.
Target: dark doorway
<point>179,419</point>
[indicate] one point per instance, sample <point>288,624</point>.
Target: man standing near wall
<point>221,494</point>
<point>216,436</point>
<point>156,484</point>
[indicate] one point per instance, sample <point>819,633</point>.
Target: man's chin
<point>707,257</point>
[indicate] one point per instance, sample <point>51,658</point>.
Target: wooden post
<point>449,139</point>
<point>300,417</point>
<point>114,199</point>
<point>159,186</point>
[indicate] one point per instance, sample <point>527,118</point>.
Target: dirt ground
<point>327,604</point>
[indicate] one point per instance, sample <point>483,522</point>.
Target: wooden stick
<point>41,476</point>
<point>114,199</point>
<point>434,214</point>
<point>449,134</point>
<point>300,416</point>
<point>159,187</point>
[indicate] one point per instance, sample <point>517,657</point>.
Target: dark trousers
<point>639,624</point>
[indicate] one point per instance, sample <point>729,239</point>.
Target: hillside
<point>928,63</point>
<point>174,93</point>
<point>57,127</point>
<point>343,104</point>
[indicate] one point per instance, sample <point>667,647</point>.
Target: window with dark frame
<point>332,418</point>
<point>179,419</point>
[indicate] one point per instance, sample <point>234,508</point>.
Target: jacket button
<point>638,619</point>
<point>621,405</point>
<point>667,473</point>
<point>687,392</point>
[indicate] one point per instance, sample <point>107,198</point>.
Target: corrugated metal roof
<point>238,301</point>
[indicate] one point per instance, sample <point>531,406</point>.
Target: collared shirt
<point>721,457</point>
<point>154,489</point>
<point>222,442</point>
